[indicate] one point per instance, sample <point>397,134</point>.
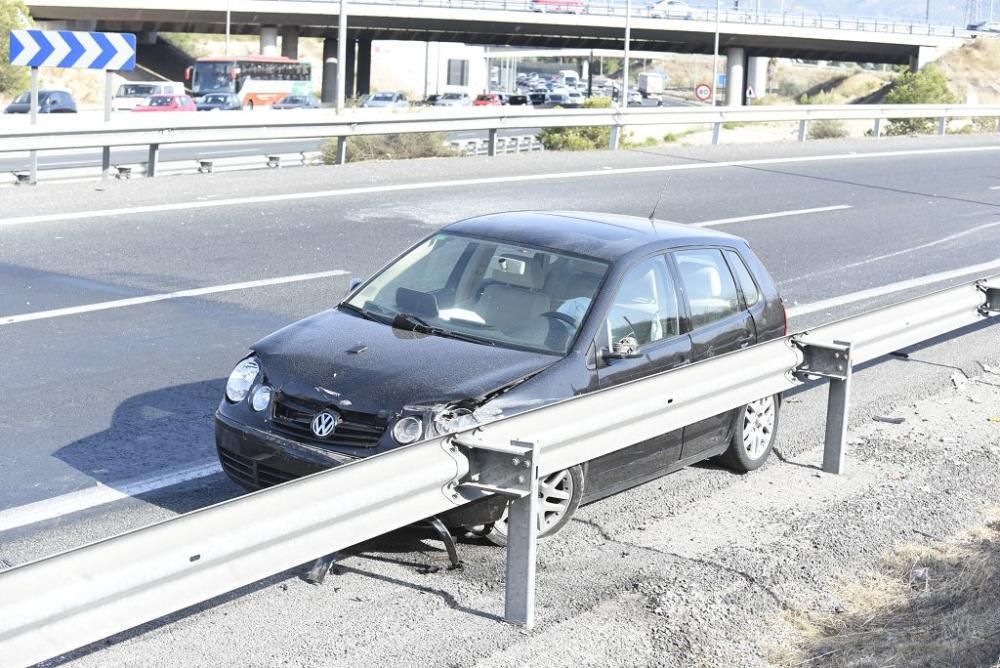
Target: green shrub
<point>670,138</point>
<point>928,86</point>
<point>984,124</point>
<point>827,130</point>
<point>822,97</point>
<point>390,147</point>
<point>586,138</point>
<point>789,88</point>
<point>13,16</point>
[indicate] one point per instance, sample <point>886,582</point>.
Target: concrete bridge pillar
<point>757,75</point>
<point>735,76</point>
<point>351,65</point>
<point>269,40</point>
<point>329,93</point>
<point>923,56</point>
<point>147,37</point>
<point>290,42</point>
<point>364,65</point>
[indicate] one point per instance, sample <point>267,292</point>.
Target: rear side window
<point>709,284</point>
<point>750,292</point>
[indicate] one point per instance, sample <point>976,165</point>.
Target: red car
<point>487,100</point>
<point>168,103</point>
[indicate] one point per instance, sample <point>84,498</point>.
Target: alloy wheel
<point>758,426</point>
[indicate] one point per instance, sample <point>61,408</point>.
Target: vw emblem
<point>324,424</point>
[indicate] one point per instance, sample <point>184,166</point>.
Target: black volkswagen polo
<point>499,314</point>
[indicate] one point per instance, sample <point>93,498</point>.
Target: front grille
<point>251,472</point>
<point>293,417</point>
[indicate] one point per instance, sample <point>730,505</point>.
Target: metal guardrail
<point>66,601</point>
<point>200,129</point>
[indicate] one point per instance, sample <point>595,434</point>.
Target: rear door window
<point>708,284</point>
<point>751,295</point>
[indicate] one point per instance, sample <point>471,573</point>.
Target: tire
<point>563,488</point>
<point>753,438</point>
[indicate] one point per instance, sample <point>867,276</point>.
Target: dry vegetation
<point>933,606</point>
<point>972,71</point>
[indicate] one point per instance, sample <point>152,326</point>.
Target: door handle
<point>746,341</point>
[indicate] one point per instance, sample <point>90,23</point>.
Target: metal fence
<point>59,603</point>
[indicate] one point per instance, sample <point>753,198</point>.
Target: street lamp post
<point>229,17</point>
<point>623,101</point>
<point>715,53</point>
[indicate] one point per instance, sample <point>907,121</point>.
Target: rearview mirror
<point>625,348</point>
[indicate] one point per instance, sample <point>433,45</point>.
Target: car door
<point>647,306</point>
<point>719,323</point>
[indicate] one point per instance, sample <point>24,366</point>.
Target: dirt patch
<point>971,71</point>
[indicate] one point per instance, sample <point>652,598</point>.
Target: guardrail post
<point>615,137</point>
<point>942,125</point>
<point>837,411</point>
<point>803,128</point>
<point>492,150</point>
<point>716,129</point>
<point>154,157</point>
<point>522,535</point>
<point>341,151</point>
<point>877,132</point>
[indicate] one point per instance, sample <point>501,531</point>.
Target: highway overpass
<point>499,22</point>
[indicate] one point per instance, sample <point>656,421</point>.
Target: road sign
<point>703,91</point>
<point>64,48</point>
<point>721,80</point>
<point>750,94</point>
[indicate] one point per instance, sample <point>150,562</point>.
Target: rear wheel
<point>559,496</point>
<point>753,438</point>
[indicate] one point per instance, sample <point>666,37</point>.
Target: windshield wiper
<point>363,312</point>
<point>415,323</point>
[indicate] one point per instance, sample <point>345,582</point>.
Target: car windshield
<point>215,99</point>
<point>294,99</point>
<point>136,90</point>
<point>384,97</point>
<point>23,98</point>
<point>451,96</point>
<point>486,291</point>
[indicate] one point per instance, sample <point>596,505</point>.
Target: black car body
<point>569,303</point>
<point>49,102</point>
<point>219,102</point>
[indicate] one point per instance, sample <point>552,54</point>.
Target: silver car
<point>454,100</point>
<point>385,99</point>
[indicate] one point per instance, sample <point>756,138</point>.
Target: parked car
<point>219,102</point>
<point>431,99</point>
<point>167,103</point>
<point>519,100</point>
<point>297,102</point>
<point>385,99</point>
<point>559,6</point>
<point>487,100</point>
<point>560,99</point>
<point>49,102</point>
<point>453,100</point>
<point>538,99</point>
<point>130,95</point>
<point>671,9</point>
<point>634,98</point>
<point>500,314</point>
<point>575,99</point>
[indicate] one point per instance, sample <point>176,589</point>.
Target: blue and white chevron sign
<point>63,48</point>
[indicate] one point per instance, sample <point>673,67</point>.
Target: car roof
<point>602,235</point>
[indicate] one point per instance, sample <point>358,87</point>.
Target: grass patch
<point>927,606</point>
<point>827,130</point>
<point>390,147</point>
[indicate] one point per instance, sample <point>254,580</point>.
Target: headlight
<point>451,420</point>
<point>408,430</point>
<point>241,379</point>
<point>261,398</point>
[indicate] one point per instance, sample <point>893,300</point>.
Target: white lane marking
<point>994,187</point>
<point>879,258</point>
<point>148,299</point>
<point>871,293</point>
<point>463,183</point>
<point>767,216</point>
<point>99,495</point>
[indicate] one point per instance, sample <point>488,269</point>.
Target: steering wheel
<point>565,319</point>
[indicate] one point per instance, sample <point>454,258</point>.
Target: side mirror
<point>625,348</point>
<point>355,282</point>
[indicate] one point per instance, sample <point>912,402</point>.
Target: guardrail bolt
<point>205,166</point>
<point>23,178</point>
<point>123,172</point>
<point>273,161</point>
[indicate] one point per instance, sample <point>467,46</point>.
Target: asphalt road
<point>126,394</point>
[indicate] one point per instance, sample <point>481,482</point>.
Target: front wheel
<point>753,438</point>
<point>559,496</point>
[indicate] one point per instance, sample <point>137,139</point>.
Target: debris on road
<point>889,420</point>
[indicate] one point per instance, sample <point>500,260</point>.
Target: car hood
<point>370,367</point>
